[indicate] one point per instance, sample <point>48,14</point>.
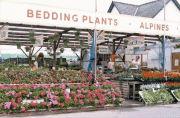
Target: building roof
<point>149,10</point>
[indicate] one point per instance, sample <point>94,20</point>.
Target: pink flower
<point>57,92</point>
<point>22,108</point>
<point>7,105</point>
<point>72,93</point>
<point>90,76</point>
<point>75,99</point>
<point>79,91</point>
<point>43,103</point>
<point>19,100</point>
<point>81,102</point>
<point>96,101</point>
<point>35,97</point>
<point>114,98</point>
<point>109,93</point>
<point>88,100</point>
<point>49,104</point>
<point>121,99</point>
<point>62,104</point>
<point>42,93</point>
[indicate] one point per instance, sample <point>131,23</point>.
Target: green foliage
<point>162,95</point>
<point>177,93</point>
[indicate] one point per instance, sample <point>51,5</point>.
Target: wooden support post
<point>54,55</point>
<point>30,54</point>
<point>113,47</point>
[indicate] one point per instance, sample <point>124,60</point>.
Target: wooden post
<point>30,54</point>
<point>113,46</point>
<point>54,55</point>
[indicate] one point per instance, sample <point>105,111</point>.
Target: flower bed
<point>42,76</point>
<point>57,96</point>
<point>173,77</point>
<point>153,76</point>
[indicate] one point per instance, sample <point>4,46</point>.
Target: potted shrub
<point>65,41</point>
<point>27,48</point>
<point>77,35</point>
<point>61,50</point>
<point>18,45</point>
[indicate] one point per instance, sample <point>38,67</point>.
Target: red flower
<point>33,104</point>
<point>43,103</point>
<point>42,93</point>
<point>19,100</point>
<point>18,95</point>
<point>62,104</point>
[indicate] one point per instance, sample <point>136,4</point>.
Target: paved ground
<point>136,111</point>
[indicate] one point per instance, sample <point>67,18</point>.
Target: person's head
<point>137,57</point>
<point>40,57</point>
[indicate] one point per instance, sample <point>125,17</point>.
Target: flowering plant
<point>27,48</point>
<point>54,37</point>
<point>57,96</point>
<point>173,76</point>
<point>18,45</point>
<point>74,49</point>
<point>153,76</point>
<point>61,50</point>
<point>176,46</point>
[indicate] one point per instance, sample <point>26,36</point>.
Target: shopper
<point>110,66</point>
<point>40,60</point>
<point>137,62</point>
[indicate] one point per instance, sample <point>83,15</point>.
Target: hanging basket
<point>31,35</point>
<point>65,41</point>
<point>62,50</point>
<point>18,45</point>
<point>77,35</point>
<point>33,41</point>
<point>74,49</point>
<point>27,49</point>
<point>51,39</point>
<point>56,38</point>
<point>81,43</point>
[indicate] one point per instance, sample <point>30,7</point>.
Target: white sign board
<point>176,62</point>
<point>4,33</point>
<point>47,15</point>
<point>103,49</point>
<point>39,41</point>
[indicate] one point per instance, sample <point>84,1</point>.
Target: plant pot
<point>18,46</point>
<point>27,50</point>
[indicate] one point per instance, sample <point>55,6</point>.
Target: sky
<point>89,5</point>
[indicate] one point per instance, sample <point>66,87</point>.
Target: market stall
<point>60,28</point>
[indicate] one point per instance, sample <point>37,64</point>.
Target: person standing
<point>110,67</point>
<point>40,60</point>
<point>137,62</point>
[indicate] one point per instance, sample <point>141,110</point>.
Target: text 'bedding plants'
<point>55,96</point>
<point>40,76</point>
